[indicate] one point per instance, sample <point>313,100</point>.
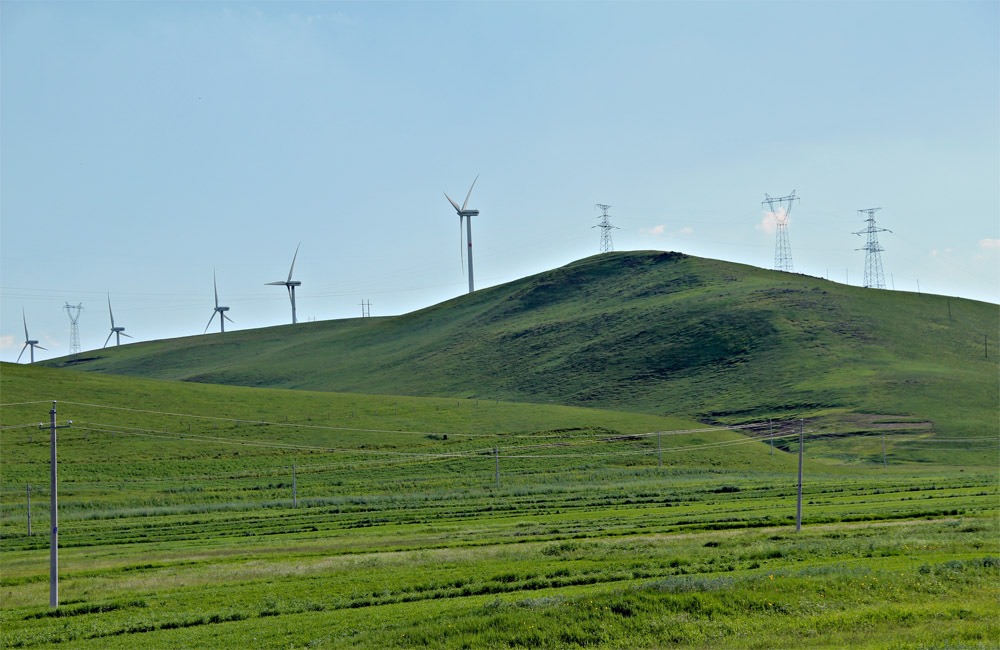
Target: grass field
<point>400,537</point>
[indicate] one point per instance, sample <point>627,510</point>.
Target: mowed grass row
<point>652,502</point>
<point>858,585</point>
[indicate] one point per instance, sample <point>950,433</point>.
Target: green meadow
<point>180,525</point>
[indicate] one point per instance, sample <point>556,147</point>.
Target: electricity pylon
<point>606,228</point>
<point>873,258</point>
<point>74,326</point>
<point>780,208</point>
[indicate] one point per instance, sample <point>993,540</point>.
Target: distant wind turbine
<point>118,332</point>
<point>290,284</point>
<point>28,343</point>
<point>468,214</point>
<point>221,311</point>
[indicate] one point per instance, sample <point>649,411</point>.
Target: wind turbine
<point>290,284</point>
<point>221,311</point>
<point>117,332</point>
<point>463,212</point>
<point>27,341</point>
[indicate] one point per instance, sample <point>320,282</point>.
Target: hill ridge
<point>648,331</point>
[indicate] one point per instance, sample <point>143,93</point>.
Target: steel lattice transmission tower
<point>780,208</point>
<point>74,326</point>
<point>873,258</point>
<point>606,227</point>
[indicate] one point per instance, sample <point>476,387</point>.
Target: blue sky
<point>144,144</point>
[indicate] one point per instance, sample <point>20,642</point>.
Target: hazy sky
<point>144,144</point>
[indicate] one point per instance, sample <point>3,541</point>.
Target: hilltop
<point>640,331</point>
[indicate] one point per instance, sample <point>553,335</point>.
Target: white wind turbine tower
<point>28,343</point>
<point>117,332</point>
<point>221,311</point>
<point>468,214</point>
<point>290,284</point>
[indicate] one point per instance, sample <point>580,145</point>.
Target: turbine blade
<point>291,296</point>
<point>461,245</point>
<point>22,352</point>
<point>281,282</point>
<point>457,209</point>
<point>128,336</point>
<point>107,339</point>
<point>293,262</point>
<point>210,321</point>
<point>470,193</point>
<point>111,312</point>
<point>216,287</point>
<point>26,337</point>
<point>228,318</point>
<point>39,347</point>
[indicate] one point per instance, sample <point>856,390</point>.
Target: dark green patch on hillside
<point>640,331</point>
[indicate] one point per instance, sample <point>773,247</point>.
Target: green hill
<point>650,332</point>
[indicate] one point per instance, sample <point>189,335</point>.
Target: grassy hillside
<point>177,422</point>
<point>640,331</point>
<point>178,527</point>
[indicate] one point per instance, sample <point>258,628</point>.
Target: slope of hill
<point>640,331</point>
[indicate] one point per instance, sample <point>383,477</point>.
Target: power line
<point>149,433</point>
<point>473,453</point>
<point>261,421</point>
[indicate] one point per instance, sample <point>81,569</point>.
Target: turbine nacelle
<point>465,213</point>
<point>290,284</point>
<point>218,309</point>
<point>29,343</point>
<point>117,332</point>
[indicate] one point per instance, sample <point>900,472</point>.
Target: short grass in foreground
<point>916,584</point>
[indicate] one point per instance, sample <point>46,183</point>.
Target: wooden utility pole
<point>798,508</point>
<point>54,511</point>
